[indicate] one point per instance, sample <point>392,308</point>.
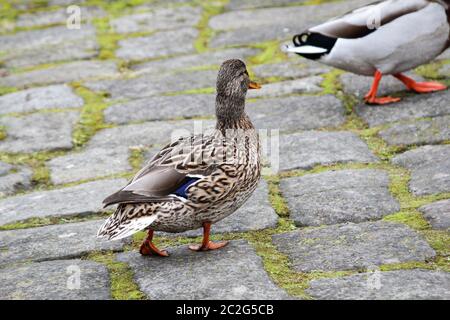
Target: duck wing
<point>365,20</point>
<point>168,173</point>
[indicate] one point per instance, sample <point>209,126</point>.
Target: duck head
<point>233,82</point>
<point>312,45</point>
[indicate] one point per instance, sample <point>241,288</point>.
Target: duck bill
<point>254,85</point>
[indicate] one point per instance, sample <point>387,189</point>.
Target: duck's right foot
<point>148,248</point>
<point>381,100</point>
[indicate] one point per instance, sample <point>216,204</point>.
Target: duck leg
<point>371,96</point>
<point>206,244</point>
<point>148,248</point>
<point>420,87</point>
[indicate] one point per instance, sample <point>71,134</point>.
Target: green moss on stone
<point>270,53</point>
<point>210,9</point>
<point>123,286</point>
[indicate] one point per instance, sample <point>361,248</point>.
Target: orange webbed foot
<point>149,249</point>
<point>381,100</point>
<point>210,246</point>
<point>427,87</point>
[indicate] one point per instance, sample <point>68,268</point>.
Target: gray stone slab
<point>437,214</point>
<point>255,214</point>
<point>89,164</point>
<point>160,44</point>
<point>251,26</point>
<point>56,96</point>
<point>428,131</point>
<point>417,106</point>
<point>308,149</point>
<point>41,38</point>
<point>38,131</point>
<point>233,272</point>
<point>72,71</point>
<point>445,70</point>
<point>334,197</point>
<point>56,280</point>
<point>61,241</point>
<point>253,4</point>
<point>210,58</point>
<point>150,85</point>
<point>162,108</point>
<point>303,85</point>
<point>352,246</point>
<point>14,178</point>
<point>290,69</point>
<point>429,169</point>
<point>445,55</point>
<point>360,85</point>
<point>147,133</point>
<point>83,199</point>
<point>158,19</point>
<point>414,284</point>
<point>303,113</point>
<point>85,48</point>
<point>58,16</point>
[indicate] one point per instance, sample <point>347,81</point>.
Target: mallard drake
<point>194,181</point>
<point>384,38</point>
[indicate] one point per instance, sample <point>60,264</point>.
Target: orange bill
<point>254,85</point>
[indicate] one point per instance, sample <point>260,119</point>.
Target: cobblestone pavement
<point>359,209</point>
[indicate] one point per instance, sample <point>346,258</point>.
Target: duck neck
<point>230,113</point>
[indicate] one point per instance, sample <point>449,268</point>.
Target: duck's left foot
<point>381,100</point>
<point>420,87</point>
<point>148,248</point>
<point>206,244</point>
<point>209,246</point>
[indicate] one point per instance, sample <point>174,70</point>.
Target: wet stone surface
<point>63,241</point>
<point>49,281</point>
<point>413,284</point>
<point>429,169</point>
<point>14,178</point>
<point>437,214</point>
<point>308,149</point>
<point>235,272</point>
<point>79,200</point>
<point>341,196</point>
<point>352,246</point>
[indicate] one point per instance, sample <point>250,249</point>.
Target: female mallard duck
<point>384,38</point>
<point>195,181</point>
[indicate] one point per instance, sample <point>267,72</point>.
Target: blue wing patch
<point>181,191</point>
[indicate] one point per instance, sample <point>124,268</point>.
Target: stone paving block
<point>334,197</point>
<point>252,26</point>
<point>158,45</point>
<point>55,280</point>
<point>14,178</point>
<point>428,131</point>
<point>255,214</point>
<point>148,133</point>
<point>151,85</point>
<point>61,241</point>
<point>89,164</point>
<point>308,149</point>
<point>360,85</point>
<point>290,69</point>
<point>38,131</point>
<point>85,48</point>
<point>41,38</point>
<point>72,71</point>
<point>304,85</point>
<point>352,246</point>
<point>305,113</point>
<point>82,199</point>
<point>437,214</point>
<point>56,96</point>
<point>234,272</point>
<point>445,70</point>
<point>158,19</point>
<point>59,16</point>
<point>253,4</point>
<point>429,169</point>
<point>413,284</point>
<point>210,58</point>
<point>417,106</point>
<point>162,108</point>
